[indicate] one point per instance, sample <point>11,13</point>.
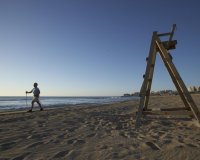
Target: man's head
<point>35,84</point>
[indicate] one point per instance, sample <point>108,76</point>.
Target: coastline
<point>100,132</point>
<point>20,103</point>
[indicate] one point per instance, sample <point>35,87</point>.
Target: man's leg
<point>32,103</point>
<point>40,106</point>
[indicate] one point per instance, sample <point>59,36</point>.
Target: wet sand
<point>100,133</point>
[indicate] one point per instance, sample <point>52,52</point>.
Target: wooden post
<point>146,86</point>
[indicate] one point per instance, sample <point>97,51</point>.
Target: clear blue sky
<point>93,47</point>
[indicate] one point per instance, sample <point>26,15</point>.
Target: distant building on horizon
<point>126,95</point>
<point>194,89</point>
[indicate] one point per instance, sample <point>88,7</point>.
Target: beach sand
<point>100,133</point>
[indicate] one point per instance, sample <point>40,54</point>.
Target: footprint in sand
<point>79,141</point>
<point>61,136</point>
<point>7,146</point>
<point>167,141</point>
<point>71,141</point>
<point>76,141</point>
<point>35,137</point>
<point>91,135</point>
<point>192,145</point>
<point>34,144</point>
<point>103,147</point>
<point>161,133</point>
<point>72,129</point>
<point>61,154</point>
<point>153,146</point>
<point>166,123</point>
<point>21,156</point>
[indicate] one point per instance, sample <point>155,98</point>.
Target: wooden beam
<point>166,59</point>
<point>168,109</point>
<point>164,34</point>
<point>146,85</point>
<point>150,74</point>
<point>175,109</point>
<point>172,33</point>
<point>189,113</point>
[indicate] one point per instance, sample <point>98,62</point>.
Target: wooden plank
<point>144,89</point>
<point>151,71</point>
<point>172,32</point>
<point>166,59</point>
<point>189,113</point>
<point>168,109</point>
<point>164,34</point>
<point>170,45</point>
<point>148,68</point>
<point>173,72</point>
<point>174,109</point>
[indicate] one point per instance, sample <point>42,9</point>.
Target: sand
<point>100,133</point>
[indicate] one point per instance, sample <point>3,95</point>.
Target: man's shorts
<point>35,99</point>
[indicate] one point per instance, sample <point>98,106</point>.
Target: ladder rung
<point>164,34</point>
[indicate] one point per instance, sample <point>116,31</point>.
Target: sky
<point>93,47</point>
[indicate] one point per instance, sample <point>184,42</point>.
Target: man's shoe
<point>41,109</point>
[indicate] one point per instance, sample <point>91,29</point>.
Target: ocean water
<point>7,103</point>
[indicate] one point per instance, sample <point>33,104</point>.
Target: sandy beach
<point>100,133</point>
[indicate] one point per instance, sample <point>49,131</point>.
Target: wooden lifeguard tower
<point>163,47</point>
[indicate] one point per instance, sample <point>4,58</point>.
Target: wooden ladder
<point>157,46</point>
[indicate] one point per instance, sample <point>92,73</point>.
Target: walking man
<point>36,95</point>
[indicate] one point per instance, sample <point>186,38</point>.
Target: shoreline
<point>62,106</point>
<point>20,103</point>
<point>100,132</point>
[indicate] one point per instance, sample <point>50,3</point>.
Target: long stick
<point>26,100</point>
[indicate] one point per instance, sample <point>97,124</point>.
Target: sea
<point>10,103</point>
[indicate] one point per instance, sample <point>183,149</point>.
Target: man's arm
<point>29,92</point>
